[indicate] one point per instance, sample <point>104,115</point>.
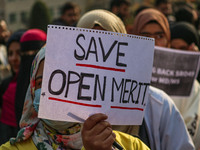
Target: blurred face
<point>14,56</point>
<point>165,8</point>
<point>124,10</point>
<point>179,44</point>
<point>71,16</point>
<point>38,76</point>
<point>155,31</point>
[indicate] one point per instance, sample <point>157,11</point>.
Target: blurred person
<point>4,35</point>
<point>31,42</point>
<point>55,135</point>
<point>149,22</point>
<point>161,119</point>
<point>70,14</point>
<point>121,8</point>
<point>165,6</point>
<point>140,8</point>
<point>186,12</point>
<point>8,123</point>
<point>4,32</point>
<point>184,37</point>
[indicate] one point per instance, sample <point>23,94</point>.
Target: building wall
<point>17,11</point>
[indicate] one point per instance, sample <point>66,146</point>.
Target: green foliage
<point>39,16</point>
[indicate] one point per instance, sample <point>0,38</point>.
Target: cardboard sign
<point>91,71</point>
<point>174,71</point>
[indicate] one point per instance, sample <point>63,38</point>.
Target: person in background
<point>184,37</point>
<point>8,123</point>
<point>165,6</point>
<point>31,42</point>
<point>161,119</point>
<point>70,14</point>
<point>4,66</point>
<point>187,13</point>
<point>121,8</point>
<point>4,32</point>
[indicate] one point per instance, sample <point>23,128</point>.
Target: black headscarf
<point>186,32</point>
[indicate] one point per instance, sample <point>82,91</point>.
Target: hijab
<point>42,134</point>
<point>103,18</point>
<point>149,15</point>
<point>186,32</point>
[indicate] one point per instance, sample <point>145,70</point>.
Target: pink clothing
<point>8,108</point>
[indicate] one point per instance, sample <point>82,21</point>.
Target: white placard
<point>91,71</point>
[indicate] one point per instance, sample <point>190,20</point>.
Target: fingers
<point>107,134</point>
<point>97,133</point>
<point>93,120</point>
<point>193,47</point>
<point>100,127</point>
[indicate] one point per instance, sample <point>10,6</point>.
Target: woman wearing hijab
<point>161,119</point>
<point>31,42</point>
<point>152,23</point>
<point>8,123</point>
<point>45,134</point>
<point>185,37</point>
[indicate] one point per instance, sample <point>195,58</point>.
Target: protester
<point>47,134</point>
<point>70,14</point>
<point>152,23</point>
<point>161,119</point>
<point>184,37</point>
<point>31,42</point>
<point>4,66</point>
<point>8,123</point>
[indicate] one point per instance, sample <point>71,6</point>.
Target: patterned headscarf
<point>103,18</point>
<point>148,15</point>
<point>31,126</point>
<point>42,135</point>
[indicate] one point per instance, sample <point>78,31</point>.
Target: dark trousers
<point>6,132</point>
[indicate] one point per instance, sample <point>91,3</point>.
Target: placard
<point>93,71</point>
<point>174,71</point>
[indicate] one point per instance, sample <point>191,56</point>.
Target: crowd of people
<point>169,122</point>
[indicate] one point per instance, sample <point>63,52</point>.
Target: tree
<point>39,16</point>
